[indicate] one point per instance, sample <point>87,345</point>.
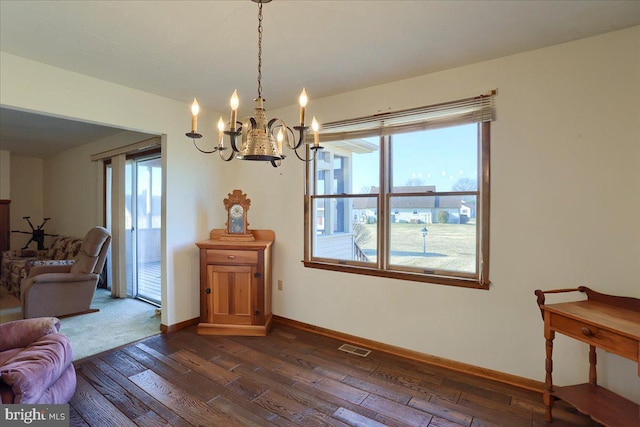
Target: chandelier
<point>255,138</point>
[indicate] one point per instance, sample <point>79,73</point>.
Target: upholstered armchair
<point>35,362</point>
<point>58,290</point>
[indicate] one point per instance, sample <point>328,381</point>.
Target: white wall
<point>73,196</point>
<point>565,202</point>
<point>191,179</point>
<point>565,211</point>
<point>26,199</point>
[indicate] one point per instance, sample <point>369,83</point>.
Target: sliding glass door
<point>140,195</point>
<point>143,194</point>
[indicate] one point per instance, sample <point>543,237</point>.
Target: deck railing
<point>359,254</point>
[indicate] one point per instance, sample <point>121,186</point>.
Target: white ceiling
<point>184,49</point>
<point>34,135</point>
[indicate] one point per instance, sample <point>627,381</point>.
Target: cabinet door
<point>230,300</point>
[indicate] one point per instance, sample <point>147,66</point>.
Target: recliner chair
<point>60,290</point>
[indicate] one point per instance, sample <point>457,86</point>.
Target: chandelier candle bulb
<point>280,137</point>
<point>195,109</point>
<point>315,127</point>
<point>235,102</point>
<point>303,103</point>
<point>220,131</point>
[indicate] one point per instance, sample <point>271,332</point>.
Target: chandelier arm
<point>278,162</point>
<point>232,139</point>
<point>295,150</point>
<point>204,151</point>
<point>233,135</point>
<point>293,137</point>
<point>271,128</point>
<point>226,159</point>
<point>302,132</point>
<point>282,126</point>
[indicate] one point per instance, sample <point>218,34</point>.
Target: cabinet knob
<point>231,256</point>
<point>207,291</point>
<point>586,331</point>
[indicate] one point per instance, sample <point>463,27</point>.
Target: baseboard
<point>476,371</point>
<point>177,326</point>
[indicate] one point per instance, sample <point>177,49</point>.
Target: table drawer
<point>217,256</point>
<point>596,336</point>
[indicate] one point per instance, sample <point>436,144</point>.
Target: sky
<point>437,157</point>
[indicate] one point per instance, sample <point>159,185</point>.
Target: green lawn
<point>448,246</point>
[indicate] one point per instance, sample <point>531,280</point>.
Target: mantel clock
<point>237,206</point>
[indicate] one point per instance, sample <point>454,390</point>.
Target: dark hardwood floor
<point>289,378</point>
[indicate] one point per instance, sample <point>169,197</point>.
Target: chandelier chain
<point>260,50</point>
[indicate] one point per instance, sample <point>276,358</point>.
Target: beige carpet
<point>120,321</point>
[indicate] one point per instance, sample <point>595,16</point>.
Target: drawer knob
<point>231,256</point>
<point>586,331</point>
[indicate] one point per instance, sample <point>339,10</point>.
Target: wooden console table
<point>608,322</point>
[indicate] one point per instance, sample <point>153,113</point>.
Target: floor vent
<point>348,348</point>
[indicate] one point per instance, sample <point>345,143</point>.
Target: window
<point>404,195</point>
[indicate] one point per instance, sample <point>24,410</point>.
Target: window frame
<point>381,268</point>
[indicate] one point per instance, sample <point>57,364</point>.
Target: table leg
<point>547,397</point>
<point>593,360</point>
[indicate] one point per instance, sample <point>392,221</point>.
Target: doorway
<point>142,225</point>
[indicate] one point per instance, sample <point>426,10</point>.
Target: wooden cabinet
<point>602,321</point>
<point>235,285</point>
<point>5,233</point>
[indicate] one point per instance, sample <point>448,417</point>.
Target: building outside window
<point>404,195</point>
